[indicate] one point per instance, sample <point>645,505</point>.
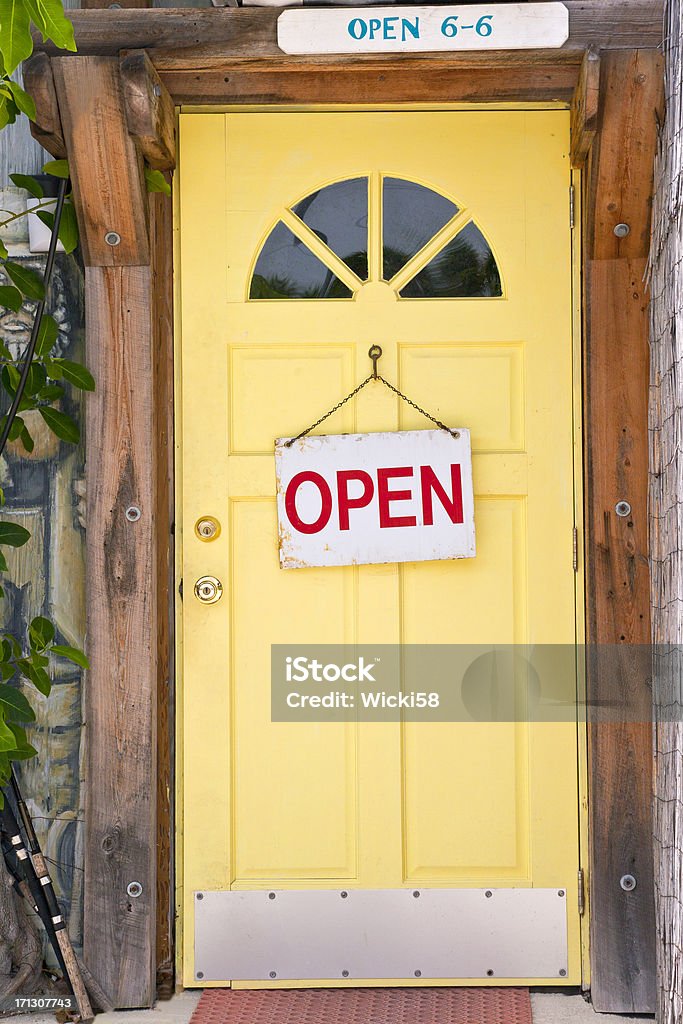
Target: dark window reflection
<point>286,269</point>
<point>338,214</point>
<point>412,215</point>
<point>465,268</point>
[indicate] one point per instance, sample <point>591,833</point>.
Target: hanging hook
<point>375,353</point>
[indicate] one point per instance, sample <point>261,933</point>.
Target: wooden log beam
<point>584,109</point>
<point>106,169</point>
<point>196,37</point>
<point>39,83</point>
<point>619,187</point>
<point>422,81</point>
<point>149,111</point>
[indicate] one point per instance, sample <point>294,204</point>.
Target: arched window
<point>429,247</point>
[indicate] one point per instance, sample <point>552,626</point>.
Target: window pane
<point>286,269</point>
<point>412,214</point>
<point>338,214</point>
<point>465,268</point>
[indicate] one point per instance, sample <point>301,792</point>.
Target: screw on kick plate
<point>271,895</point>
<point>343,894</point>
<point>345,974</point>
<point>134,889</point>
<point>416,894</point>
<point>622,230</point>
<point>560,892</point>
<point>418,974</point>
<point>200,895</point>
<point>489,973</point>
<point>627,883</point>
<point>133,513</point>
<point>488,894</point>
<point>273,974</point>
<point>562,973</point>
<point>200,974</point>
<point>112,238</point>
<point>622,508</point>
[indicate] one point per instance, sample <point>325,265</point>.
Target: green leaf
<point>16,43</point>
<point>72,653</point>
<point>27,440</point>
<point>20,709</point>
<point>53,368</point>
<point>156,182</point>
<point>7,737</point>
<point>50,18</point>
<point>47,335</point>
<point>57,168</point>
<point>76,374</point>
<point>41,632</point>
<point>23,101</point>
<point>68,228</point>
<point>13,535</point>
<point>10,297</point>
<point>3,248</point>
<point>10,378</point>
<point>38,676</point>
<point>23,749</point>
<point>62,425</point>
<point>35,379</point>
<point>16,428</point>
<point>29,183</point>
<point>26,280</point>
<point>51,393</point>
<point>3,566</point>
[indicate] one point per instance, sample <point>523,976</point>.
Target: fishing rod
<point>28,886</point>
<point>73,972</point>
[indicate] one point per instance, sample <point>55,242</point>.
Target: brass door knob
<point>208,589</point>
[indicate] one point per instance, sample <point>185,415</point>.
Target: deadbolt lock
<point>208,589</point>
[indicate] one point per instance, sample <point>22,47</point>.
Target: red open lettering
<point>325,496</point>
<point>431,484</point>
<point>345,502</point>
<point>385,496</point>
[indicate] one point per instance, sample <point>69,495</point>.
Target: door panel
<point>369,805</point>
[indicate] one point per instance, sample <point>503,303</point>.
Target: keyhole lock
<point>208,589</point>
<point>207,528</point>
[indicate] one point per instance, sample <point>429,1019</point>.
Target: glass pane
<point>286,269</point>
<point>465,268</point>
<point>338,214</point>
<point>412,214</point>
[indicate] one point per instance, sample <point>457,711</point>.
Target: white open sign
<point>350,499</point>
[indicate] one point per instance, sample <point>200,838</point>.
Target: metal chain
<point>352,394</point>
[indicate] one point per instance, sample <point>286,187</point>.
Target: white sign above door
<point>351,499</point>
<point>422,29</point>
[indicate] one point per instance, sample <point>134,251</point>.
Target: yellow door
<point>306,237</point>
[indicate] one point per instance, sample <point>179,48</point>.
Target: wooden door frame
<point>111,105</point>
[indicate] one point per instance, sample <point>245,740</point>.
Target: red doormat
<point>364,1006</point>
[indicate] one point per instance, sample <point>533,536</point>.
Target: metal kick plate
<point>381,933</point>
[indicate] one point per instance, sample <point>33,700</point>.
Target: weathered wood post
<point>666,526</point>
<point>110,116</point>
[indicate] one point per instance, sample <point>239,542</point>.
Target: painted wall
<point>45,493</point>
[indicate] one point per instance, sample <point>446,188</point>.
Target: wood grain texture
<point>39,83</point>
<point>161,237</point>
<point>150,113</point>
<point>418,82</point>
<point>123,621</point>
<point>631,103</point>
<point>106,169</point>
<point>585,107</point>
<point>616,550</point>
<point>192,36</point>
